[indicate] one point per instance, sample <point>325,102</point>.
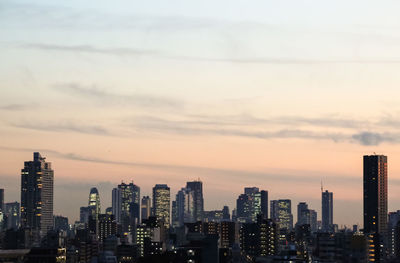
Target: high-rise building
<point>302,209</point>
<point>375,194</point>
<point>327,211</point>
<point>2,200</point>
<point>146,207</point>
<point>94,201</point>
<point>251,204</point>
<point>61,223</point>
<point>197,188</point>
<point>376,203</point>
<point>126,205</point>
<point>12,213</point>
<point>225,213</point>
<point>162,204</point>
<point>281,212</point>
<point>394,241</point>
<point>116,204</point>
<point>37,179</point>
<point>264,203</point>
<point>185,206</point>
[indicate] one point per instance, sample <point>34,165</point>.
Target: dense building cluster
<point>155,228</point>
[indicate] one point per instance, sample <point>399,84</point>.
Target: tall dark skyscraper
<point>37,179</point>
<point>2,200</point>
<point>375,194</point>
<point>376,205</point>
<point>197,188</point>
<point>327,211</point>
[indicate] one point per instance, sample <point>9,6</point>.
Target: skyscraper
<point>94,201</point>
<point>146,207</point>
<point>116,204</point>
<point>302,209</point>
<point>12,212</point>
<point>37,179</point>
<point>161,203</point>
<point>327,211</point>
<point>375,205</point>
<point>2,200</point>
<point>126,205</point>
<point>197,188</point>
<point>375,194</point>
<point>251,204</point>
<point>185,206</point>
<point>281,212</point>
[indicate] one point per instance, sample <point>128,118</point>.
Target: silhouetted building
<point>117,204</point>
<point>37,179</point>
<point>161,203</point>
<point>197,188</point>
<point>394,219</point>
<point>327,211</point>
<point>61,223</point>
<point>107,226</point>
<point>146,207</point>
<point>126,206</point>
<point>1,200</point>
<point>259,239</point>
<point>12,213</point>
<point>376,203</point>
<point>225,213</point>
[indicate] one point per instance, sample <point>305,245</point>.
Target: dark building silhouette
<point>2,200</point>
<point>375,203</point>
<point>37,179</point>
<point>61,223</point>
<point>12,213</point>
<point>327,211</point>
<point>197,188</point>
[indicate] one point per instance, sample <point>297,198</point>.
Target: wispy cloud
<point>335,129</point>
<point>89,49</point>
<point>124,51</point>
<point>14,107</point>
<point>109,98</point>
<point>62,126</point>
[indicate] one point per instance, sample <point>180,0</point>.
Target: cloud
<point>89,49</point>
<point>108,98</point>
<point>294,127</point>
<point>62,126</point>
<point>123,51</point>
<point>373,138</point>
<point>14,107</point>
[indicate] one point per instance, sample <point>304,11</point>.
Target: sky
<point>282,95</point>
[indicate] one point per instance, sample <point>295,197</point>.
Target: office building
<point>94,201</point>
<point>197,188</point>
<point>376,204</point>
<point>37,179</point>
<point>12,213</point>
<point>281,212</point>
<point>327,211</point>
<point>161,204</point>
<point>116,204</point>
<point>2,200</point>
<point>146,207</point>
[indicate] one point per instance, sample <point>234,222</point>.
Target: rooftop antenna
<point>322,188</point>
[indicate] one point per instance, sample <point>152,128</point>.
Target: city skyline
<point>316,204</point>
<point>237,95</point>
